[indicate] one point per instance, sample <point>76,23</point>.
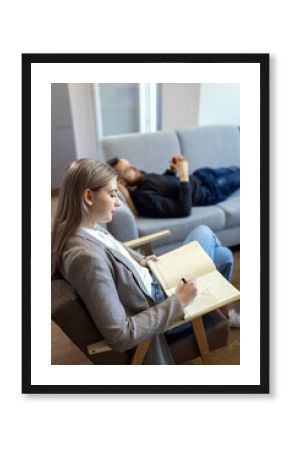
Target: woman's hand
<point>186,292</point>
<point>144,261</point>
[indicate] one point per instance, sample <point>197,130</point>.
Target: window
<point>126,107</point>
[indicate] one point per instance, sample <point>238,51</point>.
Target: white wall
<point>74,132</point>
<point>219,104</point>
<point>179,105</point>
<point>83,110</point>
<point>62,136</point>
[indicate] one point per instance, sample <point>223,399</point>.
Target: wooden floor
<point>63,351</point>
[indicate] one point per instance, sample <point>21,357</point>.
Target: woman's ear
<point>88,197</point>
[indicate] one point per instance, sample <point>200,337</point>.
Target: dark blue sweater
<point>164,196</point>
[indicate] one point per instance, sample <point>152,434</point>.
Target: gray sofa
<point>211,146</point>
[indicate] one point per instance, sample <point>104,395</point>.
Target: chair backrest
<point>70,314</point>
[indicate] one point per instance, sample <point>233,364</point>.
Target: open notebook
<point>191,261</point>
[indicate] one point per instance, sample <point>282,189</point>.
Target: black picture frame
<point>263,61</point>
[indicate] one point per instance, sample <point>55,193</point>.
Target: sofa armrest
<point>123,226</point>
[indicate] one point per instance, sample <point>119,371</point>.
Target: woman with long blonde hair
<point>114,282</point>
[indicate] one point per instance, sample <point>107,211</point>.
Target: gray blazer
<point>121,311</point>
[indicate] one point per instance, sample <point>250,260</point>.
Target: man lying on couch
<point>173,193</point>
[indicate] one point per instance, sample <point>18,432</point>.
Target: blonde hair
<point>71,209</point>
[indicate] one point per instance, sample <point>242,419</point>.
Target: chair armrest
<point>102,346</point>
<point>98,347</point>
<point>139,351</point>
<point>138,354</point>
<point>147,239</point>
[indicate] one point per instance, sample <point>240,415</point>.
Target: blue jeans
<point>217,184</point>
<point>221,256</point>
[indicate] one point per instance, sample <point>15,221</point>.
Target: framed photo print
<point>145,223</point>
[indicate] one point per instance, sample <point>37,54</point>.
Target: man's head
<point>126,171</point>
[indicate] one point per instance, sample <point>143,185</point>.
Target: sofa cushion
<point>123,225</point>
<point>148,151</point>
<point>231,208</point>
<point>212,216</point>
<point>210,146</point>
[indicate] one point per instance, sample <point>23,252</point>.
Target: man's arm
<point>178,165</point>
<point>182,169</point>
<point>170,172</point>
<point>149,203</point>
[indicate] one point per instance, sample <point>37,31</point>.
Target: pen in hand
<point>186,291</point>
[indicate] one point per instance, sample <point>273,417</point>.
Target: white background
<point>43,373</point>
<point>78,421</point>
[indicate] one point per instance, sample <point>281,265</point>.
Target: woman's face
<point>105,202</point>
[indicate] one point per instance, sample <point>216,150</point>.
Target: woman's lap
<point>221,255</point>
